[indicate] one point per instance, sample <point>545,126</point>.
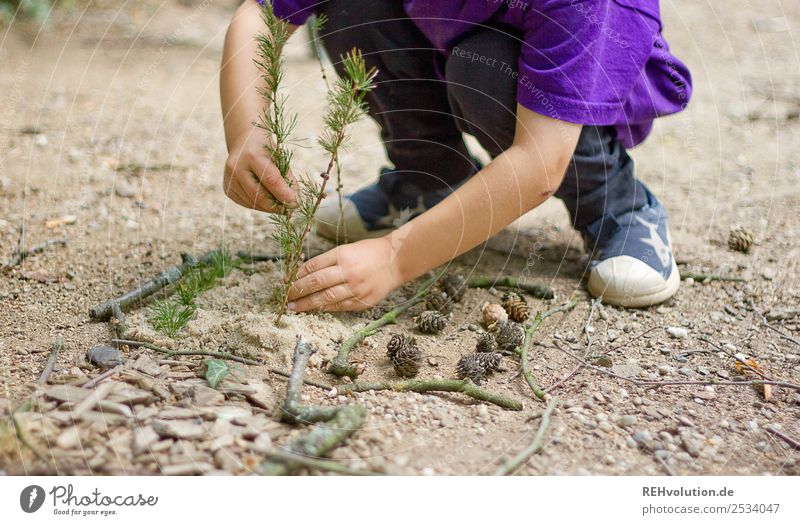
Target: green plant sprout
<point>345,106</point>
<point>169,315</point>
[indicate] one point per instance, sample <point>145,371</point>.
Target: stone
<point>625,420</point>
<point>665,370</point>
<point>187,469</point>
<point>642,436</point>
<point>627,370</point>
<point>705,395</point>
<point>104,356</point>
<point>678,332</point>
<point>612,335</point>
<point>691,445</point>
<point>123,189</point>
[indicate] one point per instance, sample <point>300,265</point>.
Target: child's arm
<point>359,275</point>
<point>250,175</point>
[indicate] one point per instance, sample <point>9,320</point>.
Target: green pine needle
<point>169,316</point>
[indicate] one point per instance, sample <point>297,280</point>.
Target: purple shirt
<point>592,62</point>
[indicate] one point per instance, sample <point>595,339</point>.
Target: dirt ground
<point>111,137</point>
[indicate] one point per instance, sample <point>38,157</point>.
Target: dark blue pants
<point>424,100</point>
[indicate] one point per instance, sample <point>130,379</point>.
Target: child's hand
<point>351,277</point>
<point>252,180</point>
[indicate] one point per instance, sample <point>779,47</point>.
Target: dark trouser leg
<point>409,102</point>
<point>599,179</point>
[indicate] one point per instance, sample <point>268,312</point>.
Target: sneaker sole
<point>671,285</point>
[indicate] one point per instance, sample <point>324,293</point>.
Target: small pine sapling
<point>345,107</point>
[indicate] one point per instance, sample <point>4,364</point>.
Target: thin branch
<point>218,355</point>
<point>322,439</point>
<point>467,388</point>
<point>104,311</point>
<point>20,254</point>
<point>536,445</point>
<point>58,344</point>
<point>117,320</point>
<point>792,442</point>
<point>309,382</point>
<point>659,384</point>
<point>765,321</point>
<point>523,350</point>
<point>340,365</point>
<point>537,290</point>
<point>316,464</point>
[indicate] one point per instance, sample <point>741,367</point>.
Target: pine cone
<point>740,240</point>
<point>431,321</point>
<point>516,306</point>
<point>438,300</point>
<point>453,285</point>
<point>478,366</point>
<point>486,343</point>
<point>404,355</point>
<point>509,335</point>
<point>493,313</point>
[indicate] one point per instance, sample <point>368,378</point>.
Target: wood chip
<point>143,438</point>
<point>67,393</point>
<point>179,429</point>
<point>70,438</point>
<point>186,469</point>
<point>93,398</point>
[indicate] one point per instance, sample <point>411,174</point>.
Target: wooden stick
<point>309,382</point>
<point>536,445</point>
<point>102,377</point>
<point>765,321</point>
<point>104,311</point>
<point>117,320</point>
<point>537,290</point>
<point>316,464</point>
<point>292,410</point>
<point>20,255</point>
<point>58,344</point>
<point>340,365</point>
<point>319,441</point>
<point>792,442</point>
<point>522,351</point>
<point>207,353</point>
<point>434,385</point>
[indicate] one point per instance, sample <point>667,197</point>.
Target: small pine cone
<point>509,335</point>
<point>478,366</point>
<point>454,286</point>
<point>491,361</point>
<point>397,343</point>
<point>439,301</point>
<point>516,306</point>
<point>486,343</point>
<point>404,355</point>
<point>493,313</point>
<point>431,321</point>
<point>740,240</point>
<point>406,362</point>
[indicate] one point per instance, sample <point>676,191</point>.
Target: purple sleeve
<point>295,12</point>
<point>582,59</point>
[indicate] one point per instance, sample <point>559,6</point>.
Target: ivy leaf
<point>216,370</point>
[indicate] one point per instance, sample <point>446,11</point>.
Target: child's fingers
<point>270,178</point>
<point>329,296</point>
<point>349,305</point>
<point>315,282</point>
<point>257,197</point>
<point>317,263</point>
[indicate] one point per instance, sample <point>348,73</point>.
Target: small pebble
<point>104,356</point>
<point>626,420</point>
<point>665,370</point>
<point>677,332</point>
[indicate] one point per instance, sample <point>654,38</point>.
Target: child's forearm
<point>515,182</point>
<point>240,80</point>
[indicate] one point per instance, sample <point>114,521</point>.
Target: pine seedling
<point>169,316</point>
<point>345,107</point>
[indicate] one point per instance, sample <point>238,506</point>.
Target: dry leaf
<point>767,392</point>
<point>61,221</point>
<point>749,367</point>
